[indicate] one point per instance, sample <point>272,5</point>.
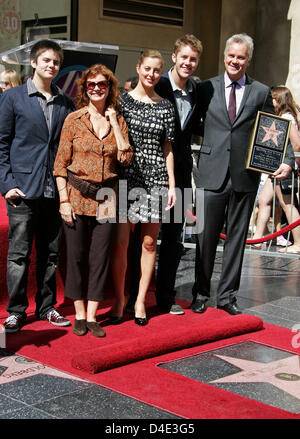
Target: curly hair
<point>113,98</point>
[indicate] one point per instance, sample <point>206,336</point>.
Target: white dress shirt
<point>239,90</point>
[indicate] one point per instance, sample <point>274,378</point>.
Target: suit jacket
<point>226,145</point>
<point>182,144</point>
<point>25,140</point>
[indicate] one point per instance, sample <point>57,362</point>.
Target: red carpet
<point>129,356</point>
<point>128,342</point>
<point>144,380</point>
<point>171,336</point>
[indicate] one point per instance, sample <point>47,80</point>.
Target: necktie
<point>232,103</point>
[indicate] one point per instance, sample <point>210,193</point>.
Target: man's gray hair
<point>241,38</point>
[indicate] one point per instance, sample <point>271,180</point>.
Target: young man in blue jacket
<point>32,116</point>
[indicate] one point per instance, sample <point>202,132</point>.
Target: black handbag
<point>286,183</point>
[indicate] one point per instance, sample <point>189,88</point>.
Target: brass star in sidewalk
<point>284,373</point>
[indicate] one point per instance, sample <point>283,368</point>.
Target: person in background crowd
<point>285,107</point>
<point>94,140</point>
<point>150,120</point>
<point>9,79</point>
<point>130,83</point>
<point>32,116</point>
<point>229,105</point>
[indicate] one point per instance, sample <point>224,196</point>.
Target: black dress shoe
<point>115,320</point>
<point>198,306</point>
<point>141,321</point>
<point>231,308</point>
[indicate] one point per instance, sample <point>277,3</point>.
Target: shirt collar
<point>228,81</point>
<point>188,89</point>
<point>32,90</point>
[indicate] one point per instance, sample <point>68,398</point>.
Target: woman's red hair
<point>112,100</point>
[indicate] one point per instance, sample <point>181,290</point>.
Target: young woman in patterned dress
<point>150,120</point>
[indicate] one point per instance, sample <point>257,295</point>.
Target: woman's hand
<point>67,213</point>
<point>282,172</point>
<point>171,198</point>
<point>111,115</point>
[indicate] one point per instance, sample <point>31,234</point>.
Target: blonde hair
<point>12,77</point>
<point>188,40</point>
<point>151,53</point>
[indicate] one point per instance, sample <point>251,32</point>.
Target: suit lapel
<point>192,108</point>
<point>169,94</point>
<point>221,81</point>
<point>36,110</point>
<point>55,118</point>
<point>247,90</point>
<point>171,98</point>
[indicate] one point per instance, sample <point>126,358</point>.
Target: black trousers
<point>234,210</point>
<point>33,220</point>
<point>87,264</point>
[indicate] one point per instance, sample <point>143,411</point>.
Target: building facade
<point>140,24</point>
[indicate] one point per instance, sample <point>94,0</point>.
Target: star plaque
<point>268,143</point>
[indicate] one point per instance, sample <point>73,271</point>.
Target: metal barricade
<point>269,248</point>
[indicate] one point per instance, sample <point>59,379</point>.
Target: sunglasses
<point>101,84</point>
<point>4,83</point>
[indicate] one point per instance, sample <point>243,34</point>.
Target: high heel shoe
<point>141,321</point>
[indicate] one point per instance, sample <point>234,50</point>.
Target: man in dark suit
<point>229,104</point>
<point>32,116</point>
<point>177,86</point>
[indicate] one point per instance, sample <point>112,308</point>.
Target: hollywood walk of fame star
<point>14,367</point>
<point>271,133</point>
<point>282,373</point>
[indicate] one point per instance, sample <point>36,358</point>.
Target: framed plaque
<point>268,143</point>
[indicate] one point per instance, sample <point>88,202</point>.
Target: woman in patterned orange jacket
<point>94,141</point>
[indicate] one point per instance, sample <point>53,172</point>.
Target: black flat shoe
<point>115,320</point>
<point>141,321</point>
<point>198,306</point>
<point>231,308</point>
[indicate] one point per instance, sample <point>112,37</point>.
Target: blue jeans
<point>37,220</point>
